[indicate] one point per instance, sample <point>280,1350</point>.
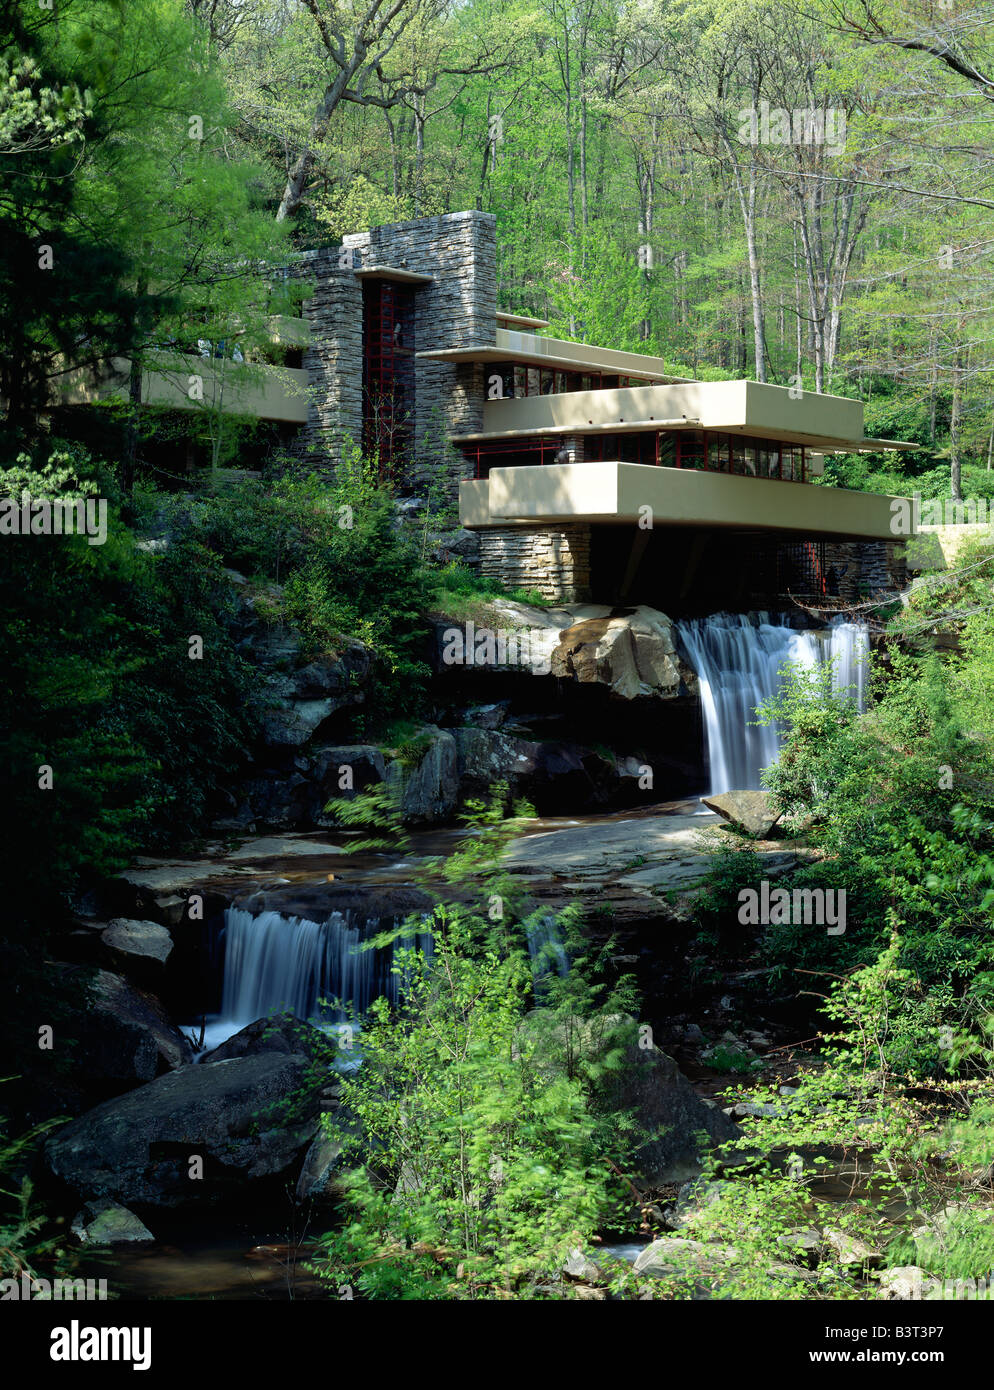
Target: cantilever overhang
<point>750,408</point>
<point>534,351</point>
<point>621,492</point>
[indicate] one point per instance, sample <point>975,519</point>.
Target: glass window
<point>718,453</point>
<point>693,450</point>
<point>738,455</point>
<point>667,449</point>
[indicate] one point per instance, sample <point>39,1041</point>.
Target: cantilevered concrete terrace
<point>782,439</point>
<point>620,492</point>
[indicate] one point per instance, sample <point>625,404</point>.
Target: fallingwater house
<point>585,472</point>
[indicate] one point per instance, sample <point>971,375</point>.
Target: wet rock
<point>137,1148</point>
<point>751,811</point>
<point>282,1033</point>
<point>107,1223</point>
<point>675,1255</point>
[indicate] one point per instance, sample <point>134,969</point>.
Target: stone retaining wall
<point>554,560</point>
<point>865,567</point>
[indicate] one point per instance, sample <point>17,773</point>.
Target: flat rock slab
<point>282,847</point>
<point>665,858</point>
<point>166,878</point>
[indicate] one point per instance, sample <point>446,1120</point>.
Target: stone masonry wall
<point>458,309</point>
<point>553,560</point>
<point>334,359</point>
<point>865,567</point>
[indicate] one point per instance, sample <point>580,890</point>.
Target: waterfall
<point>274,963</point>
<point>546,949</point>
<point>738,658</point>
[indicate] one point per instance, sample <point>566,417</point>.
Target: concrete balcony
<point>268,393</point>
<point>619,493</point>
<point>743,407</point>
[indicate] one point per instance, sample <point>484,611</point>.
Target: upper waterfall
<point>738,658</point>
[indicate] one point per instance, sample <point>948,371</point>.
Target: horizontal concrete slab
<point>619,492</point>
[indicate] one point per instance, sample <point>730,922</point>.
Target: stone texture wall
<point>555,560</point>
<point>866,567</point>
<point>458,309</point>
<point>334,359</point>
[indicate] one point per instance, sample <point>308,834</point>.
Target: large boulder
<point>427,774</point>
<point>631,651</point>
<point>125,1035</point>
<point>283,1033</point>
<point>141,948</point>
<point>137,1149</point>
<point>751,811</point>
<point>668,1114</point>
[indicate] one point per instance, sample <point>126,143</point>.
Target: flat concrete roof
<point>750,408</point>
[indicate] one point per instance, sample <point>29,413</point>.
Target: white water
<point>546,949</point>
<point>282,964</point>
<point>277,964</point>
<point>738,659</point>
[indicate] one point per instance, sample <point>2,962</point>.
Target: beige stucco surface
<point>618,492</point>
<point>745,407</point>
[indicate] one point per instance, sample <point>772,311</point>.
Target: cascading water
<point>277,964</point>
<point>546,949</point>
<point>738,659</point>
<point>274,963</point>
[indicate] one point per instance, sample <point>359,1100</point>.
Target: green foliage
<point>900,827</point>
<point>480,1156</point>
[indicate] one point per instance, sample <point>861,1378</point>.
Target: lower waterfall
<point>738,658</point>
<point>275,964</point>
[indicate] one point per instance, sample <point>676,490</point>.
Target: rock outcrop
<point>631,651</point>
<point>751,811</point>
<point>138,1149</point>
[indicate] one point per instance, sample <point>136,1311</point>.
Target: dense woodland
<point>159,163</point>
